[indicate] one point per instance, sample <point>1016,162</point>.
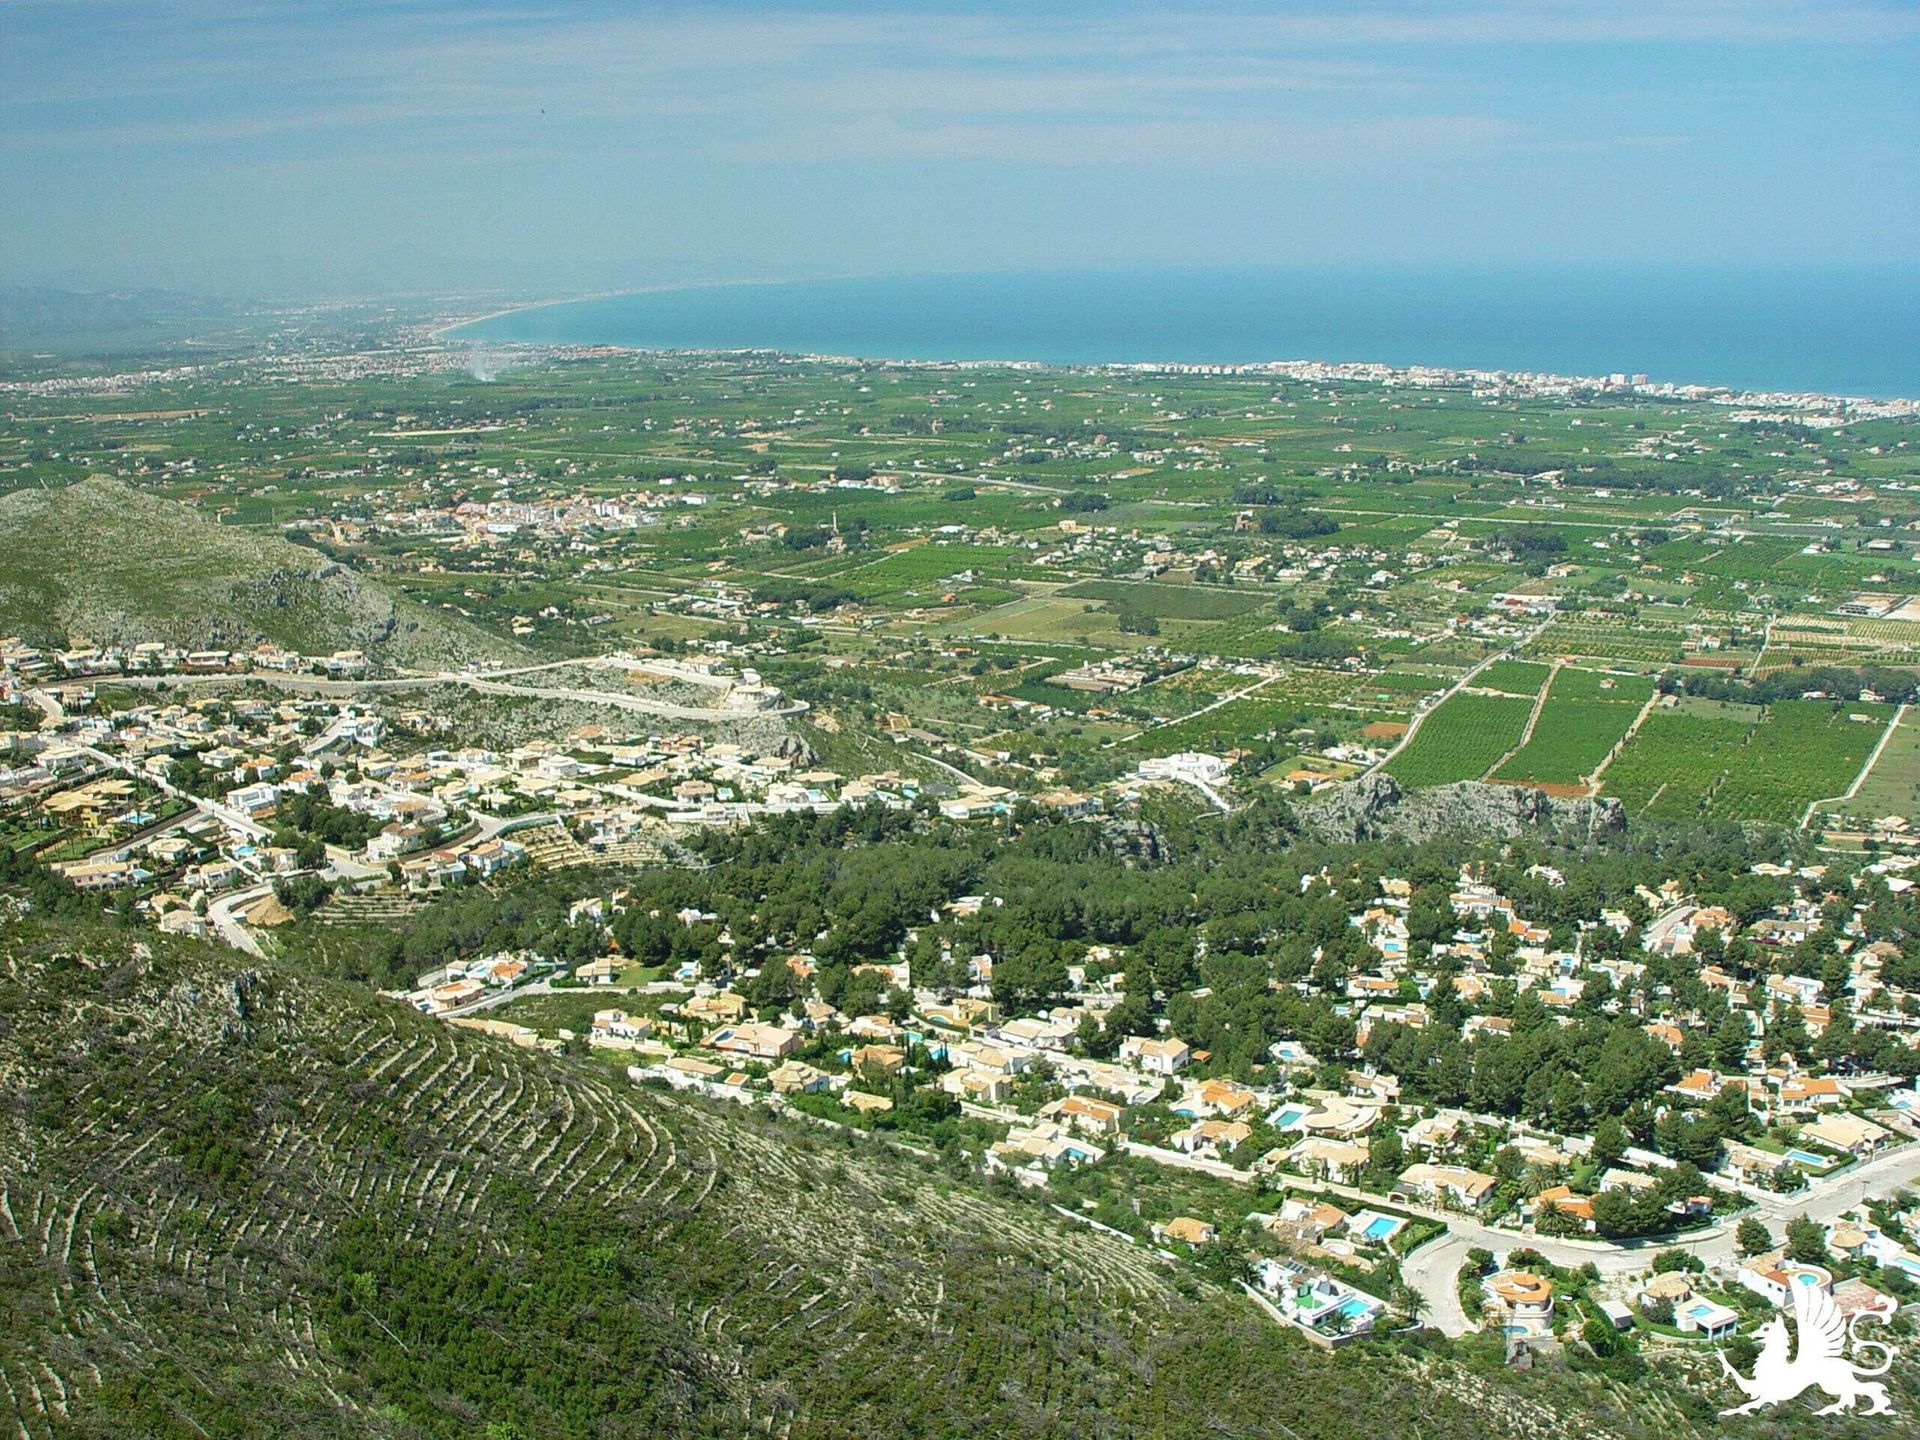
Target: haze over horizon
<point>312,149</point>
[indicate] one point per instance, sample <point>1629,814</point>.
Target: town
<point>1410,882</point>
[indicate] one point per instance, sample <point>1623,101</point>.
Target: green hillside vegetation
<point>235,1202</point>
<point>105,562</point>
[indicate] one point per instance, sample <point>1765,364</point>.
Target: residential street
<point>1434,1269</point>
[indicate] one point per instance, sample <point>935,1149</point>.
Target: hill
<point>234,1202</point>
<point>78,322</point>
<point>103,560</point>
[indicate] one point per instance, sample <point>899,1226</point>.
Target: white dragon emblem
<point>1819,1358</point>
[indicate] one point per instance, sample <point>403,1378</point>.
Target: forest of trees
<point>1235,934</point>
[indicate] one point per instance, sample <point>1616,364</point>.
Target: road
<point>222,915</point>
<point>484,682</point>
<point>1433,1271</point>
<point>1413,726</point>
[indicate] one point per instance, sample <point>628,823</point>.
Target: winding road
<point>1433,1271</point>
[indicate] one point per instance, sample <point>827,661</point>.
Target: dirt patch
<point>1383,730</point>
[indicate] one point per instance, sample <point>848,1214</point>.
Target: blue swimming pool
<point>1380,1227</point>
<point>1287,1116</point>
<point>1807,1157</point>
<point>1354,1309</point>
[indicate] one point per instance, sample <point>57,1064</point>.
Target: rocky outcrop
<point>1136,842</point>
<point>1376,807</point>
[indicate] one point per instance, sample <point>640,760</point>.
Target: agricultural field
<point>1766,767</point>
<point>1571,683</point>
<point>1513,677</point>
<point>1253,722</point>
<point>1608,642</point>
<point>1569,740</point>
<point>1892,787</point>
<point>1166,602</point>
<point>1802,751</point>
<point>1460,740</point>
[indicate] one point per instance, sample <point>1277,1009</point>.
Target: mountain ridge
<point>107,562</point>
<point>237,1201</point>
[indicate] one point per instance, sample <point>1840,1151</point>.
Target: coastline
<point>445,332</point>
<point>1542,383</point>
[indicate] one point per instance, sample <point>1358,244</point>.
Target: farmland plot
<point>1569,740</point>
<point>1461,739</point>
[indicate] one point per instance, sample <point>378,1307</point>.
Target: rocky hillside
<point>1376,808</point>
<point>236,1202</point>
<point>103,561</point>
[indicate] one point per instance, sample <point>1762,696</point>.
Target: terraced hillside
<point>235,1202</point>
<point>104,561</point>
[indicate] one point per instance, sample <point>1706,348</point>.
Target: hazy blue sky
<point>275,145</point>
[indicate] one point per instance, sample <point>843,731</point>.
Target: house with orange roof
<point>1563,1200</point>
<point>1667,1033</point>
<point>1522,1301</point>
<point>1187,1230</point>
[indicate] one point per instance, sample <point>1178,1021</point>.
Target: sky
<point>283,148</point>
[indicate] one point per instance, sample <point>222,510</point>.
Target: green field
<point>1166,602</point>
<point>1570,683</point>
<point>1513,677</point>
<point>1569,740</point>
<point>1892,787</point>
<point>1683,765</point>
<point>1461,739</point>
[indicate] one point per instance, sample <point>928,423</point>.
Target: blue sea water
<point>1852,331</point>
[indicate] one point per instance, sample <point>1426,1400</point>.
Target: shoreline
<point>1419,374</point>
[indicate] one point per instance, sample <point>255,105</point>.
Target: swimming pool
<point>1807,1157</point>
<point>1380,1227</point>
<point>1288,1116</point>
<point>1355,1309</point>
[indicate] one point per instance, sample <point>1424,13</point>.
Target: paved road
<point>1433,1272</point>
<point>223,917</point>
<point>1434,1269</point>
<point>482,681</point>
<point>1420,716</point>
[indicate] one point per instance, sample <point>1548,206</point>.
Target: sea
<point>1851,331</point>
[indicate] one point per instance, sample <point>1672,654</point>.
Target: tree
<point>1609,1141</point>
<point>1753,1237</point>
<point>1385,1153</point>
<point>1552,1220</point>
<point>1730,1041</point>
<point>1616,1214</point>
<point>1806,1241</point>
